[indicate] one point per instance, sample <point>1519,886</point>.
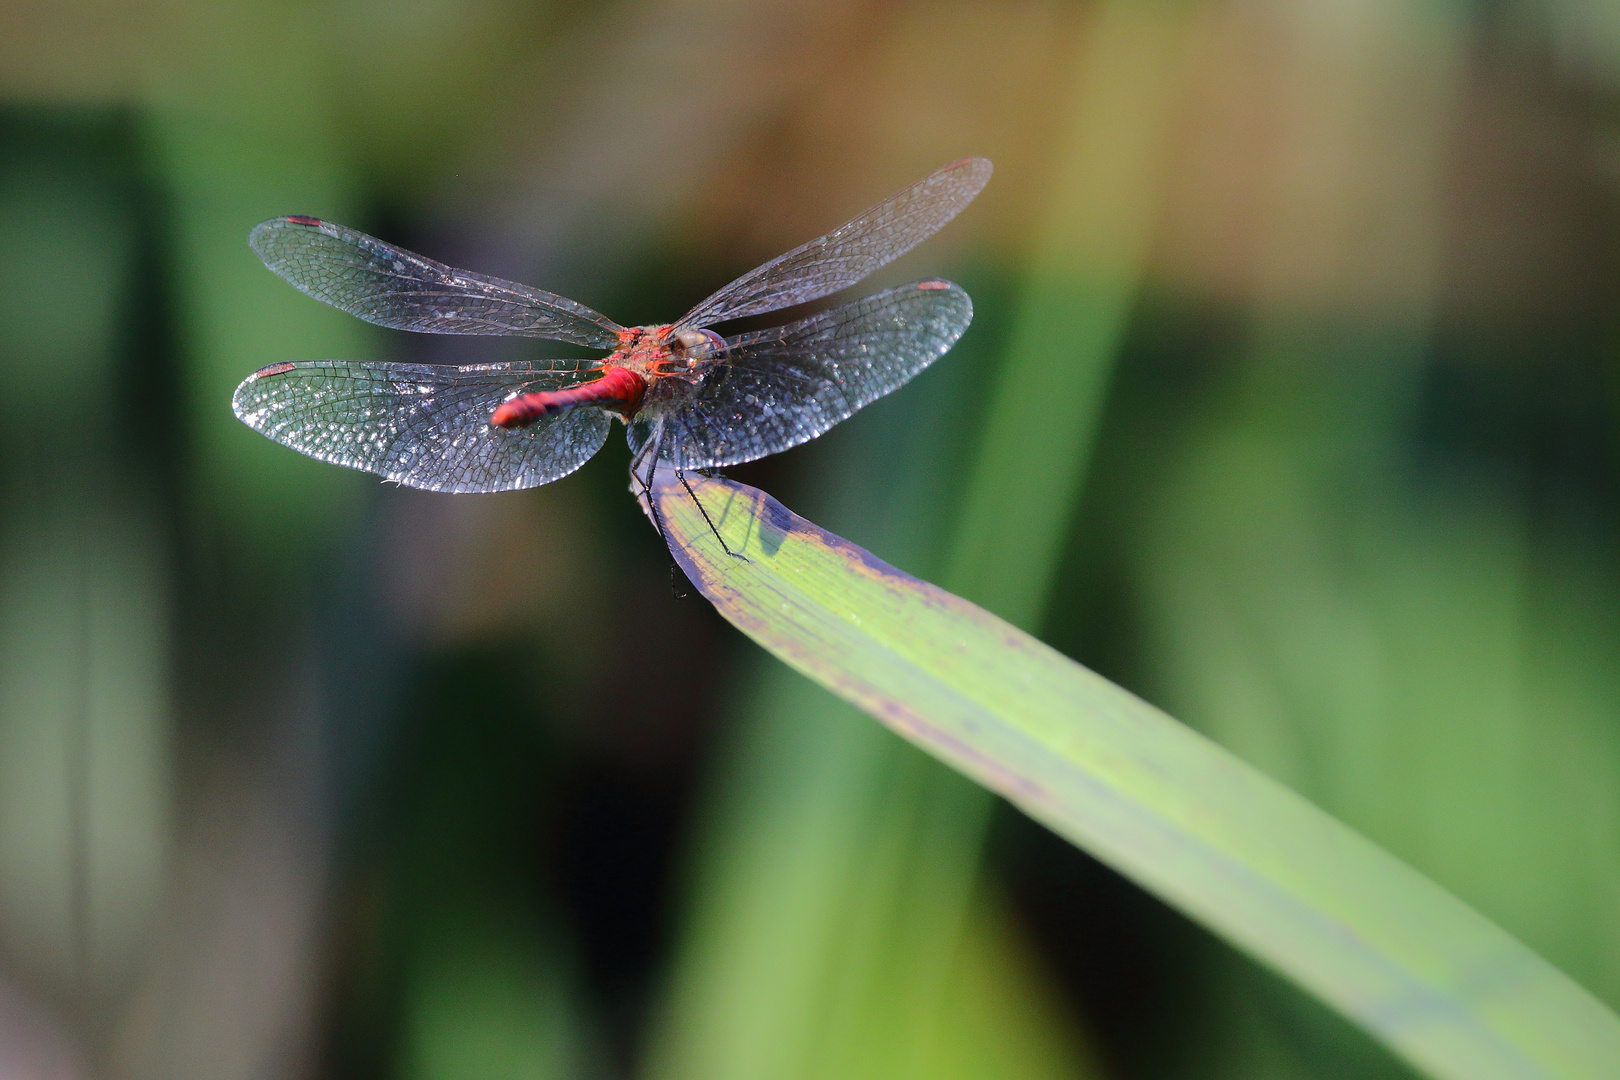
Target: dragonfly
<point>690,398</point>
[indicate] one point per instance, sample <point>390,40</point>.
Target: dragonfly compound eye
<point>698,345</point>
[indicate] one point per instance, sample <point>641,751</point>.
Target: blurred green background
<point>1311,308</point>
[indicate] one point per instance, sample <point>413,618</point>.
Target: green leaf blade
<point>1434,980</point>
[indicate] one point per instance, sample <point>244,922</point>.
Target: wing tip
<point>240,405</point>
<point>952,290</point>
<point>939,285</point>
<point>270,369</point>
<point>979,168</point>
<point>303,221</point>
<point>259,236</point>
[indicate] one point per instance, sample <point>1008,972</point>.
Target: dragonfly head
<point>691,347</point>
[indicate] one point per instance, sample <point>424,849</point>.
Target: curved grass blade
<point>1438,983</point>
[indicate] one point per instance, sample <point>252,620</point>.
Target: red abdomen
<point>618,390</point>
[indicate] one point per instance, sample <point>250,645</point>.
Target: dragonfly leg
<point>657,518</point>
<point>646,486</point>
<point>681,476</point>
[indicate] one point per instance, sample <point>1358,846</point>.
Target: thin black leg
<point>681,476</point>
<point>652,510</point>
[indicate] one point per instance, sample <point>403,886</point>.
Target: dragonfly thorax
<point>655,352</point>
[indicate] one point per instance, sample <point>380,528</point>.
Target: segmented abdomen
<point>618,390</point>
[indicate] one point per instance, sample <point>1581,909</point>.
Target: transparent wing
<point>851,251</point>
<point>392,287</point>
<point>420,425</point>
<point>779,388</point>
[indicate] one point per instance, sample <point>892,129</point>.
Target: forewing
<point>392,287</point>
<point>423,426</point>
<point>851,251</point>
<point>778,388</point>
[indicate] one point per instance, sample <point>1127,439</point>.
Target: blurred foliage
<point>1295,337</point>
<point>85,689</point>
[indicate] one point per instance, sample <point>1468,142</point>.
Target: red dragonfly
<point>689,397</point>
